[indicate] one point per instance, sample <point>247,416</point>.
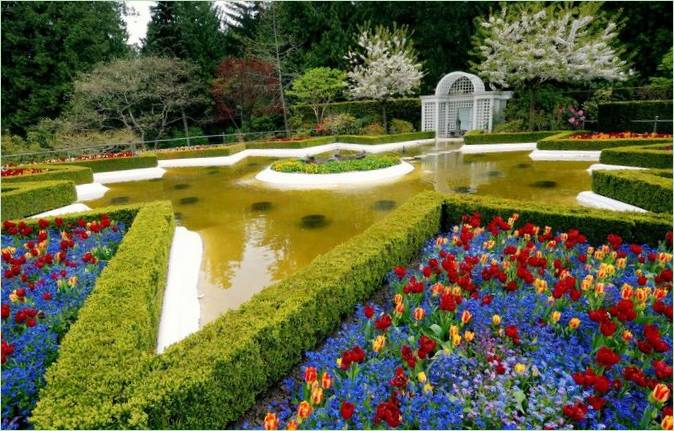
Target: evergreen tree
<point>242,18</point>
<point>44,46</point>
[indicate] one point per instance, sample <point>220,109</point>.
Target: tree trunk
<point>383,116</point>
<point>187,133</point>
<point>280,74</point>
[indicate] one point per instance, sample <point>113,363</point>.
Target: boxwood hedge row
<point>385,139</point>
<point>211,151</point>
<point>76,174</point>
<point>113,340</point>
<point>304,143</point>
<point>23,199</point>
<point>562,142</point>
<point>648,156</point>
<point>620,116</point>
<point>213,376</point>
<point>650,189</point>
<point>146,160</point>
<point>478,137</point>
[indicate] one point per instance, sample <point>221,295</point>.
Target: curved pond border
<point>565,155</point>
<point>594,200</point>
<point>300,180</point>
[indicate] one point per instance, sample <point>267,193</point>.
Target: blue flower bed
<point>499,328</point>
<point>47,273</point>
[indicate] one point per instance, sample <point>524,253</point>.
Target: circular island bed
<point>336,171</point>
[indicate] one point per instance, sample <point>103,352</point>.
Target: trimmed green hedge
<point>145,160</point>
<point>596,224</point>
<point>619,116</point>
<point>212,377</point>
<point>23,199</point>
<point>112,342</point>
<point>648,156</point>
<point>211,151</point>
<point>408,109</point>
<point>561,142</point>
<point>368,163</point>
<point>304,143</point>
<point>478,137</point>
<point>76,174</point>
<point>385,139</point>
<point>650,189</point>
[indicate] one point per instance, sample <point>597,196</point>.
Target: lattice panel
<point>461,86</point>
<point>429,116</point>
<point>442,127</point>
<point>483,107</point>
<point>452,114</point>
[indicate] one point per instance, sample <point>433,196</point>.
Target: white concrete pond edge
<point>128,175</point>
<point>566,156</point>
<point>307,181</point>
<point>180,309</point>
<point>68,209</point>
<point>497,148</point>
<point>90,191</point>
<point>604,167</point>
<point>289,152</point>
<point>594,200</point>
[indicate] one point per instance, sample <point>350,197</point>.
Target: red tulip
<point>346,410</point>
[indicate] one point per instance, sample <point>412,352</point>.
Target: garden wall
<point>113,340</point>
<point>478,137</point>
<point>76,174</point>
<point>562,142</point>
<point>620,116</point>
<point>22,199</point>
<point>647,156</point>
<point>650,189</point>
<point>146,160</point>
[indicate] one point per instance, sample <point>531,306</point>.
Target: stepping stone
<point>314,221</point>
<point>119,200</point>
<point>384,205</point>
<point>544,184</point>
<point>261,206</point>
<point>188,200</point>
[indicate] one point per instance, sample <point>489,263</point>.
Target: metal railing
<point>655,122</point>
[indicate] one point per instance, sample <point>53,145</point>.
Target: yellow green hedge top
<point>385,139</point>
<point>563,142</point>
<point>144,160</point>
<point>479,137</point>
<point>106,376</point>
<point>657,156</point>
<point>648,189</point>
<point>22,199</point>
<point>51,172</point>
<point>201,151</point>
<point>113,339</point>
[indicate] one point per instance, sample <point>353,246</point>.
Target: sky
<point>138,16</point>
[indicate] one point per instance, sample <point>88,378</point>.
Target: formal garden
<point>336,215</point>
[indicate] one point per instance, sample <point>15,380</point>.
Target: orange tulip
<point>270,421</point>
<point>310,375</point>
<point>316,396</point>
<point>466,316</point>
<point>326,380</point>
<point>304,410</point>
<point>660,393</point>
<point>419,313</point>
<point>292,425</point>
<point>666,423</point>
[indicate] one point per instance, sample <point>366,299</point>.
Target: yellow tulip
<point>574,323</point>
<point>520,368</point>
<point>421,377</point>
<point>378,343</point>
<point>555,316</point>
<point>469,336</point>
<point>496,320</point>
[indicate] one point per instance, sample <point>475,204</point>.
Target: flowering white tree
<point>529,44</point>
<point>383,66</point>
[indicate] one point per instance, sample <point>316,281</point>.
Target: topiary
<point>400,126</point>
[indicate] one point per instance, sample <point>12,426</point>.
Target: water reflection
<point>255,235</point>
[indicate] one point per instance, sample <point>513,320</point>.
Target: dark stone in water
<point>523,165</point>
<point>314,221</point>
<point>182,186</point>
<point>494,174</point>
<point>154,180</point>
<point>188,200</point>
<point>464,190</point>
<point>261,206</point>
<point>544,184</point>
<point>212,172</point>
<point>384,205</point>
<point>178,216</point>
<point>119,200</point>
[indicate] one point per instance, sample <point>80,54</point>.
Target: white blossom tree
<point>383,66</point>
<point>528,44</point>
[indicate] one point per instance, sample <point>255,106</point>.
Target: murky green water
<point>254,235</point>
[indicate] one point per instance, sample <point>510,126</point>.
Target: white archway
<point>460,104</point>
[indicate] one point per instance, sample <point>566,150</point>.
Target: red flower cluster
<point>576,411</point>
<point>383,323</point>
<point>355,354</point>
<point>414,286</point>
<point>512,333</point>
<point>389,412</point>
<point>346,410</point>
<point>426,347</point>
<point>619,135</point>
<point>408,356</point>
<point>399,380</point>
<point>638,377</point>
<point>600,383</point>
<point>7,350</point>
<point>14,172</point>
<point>496,225</point>
<point>652,340</point>
<point>368,311</point>
<point>607,357</point>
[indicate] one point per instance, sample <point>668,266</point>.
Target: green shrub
<point>562,142</point>
<point>205,151</point>
<point>23,199</point>
<point>650,189</point>
<point>619,116</point>
<point>596,224</point>
<point>478,137</point>
<point>144,160</point>
<point>338,123</point>
<point>648,156</point>
<point>112,342</point>
<point>304,143</point>
<point>368,163</point>
<point>181,138</point>
<point>401,126</point>
<point>373,129</point>
<point>385,139</point>
<point>408,109</point>
<point>76,174</point>
<point>510,126</point>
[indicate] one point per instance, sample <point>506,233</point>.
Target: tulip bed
<point>48,270</point>
<point>500,328</point>
<point>574,141</point>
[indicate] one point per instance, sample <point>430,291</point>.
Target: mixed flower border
<point>501,328</point>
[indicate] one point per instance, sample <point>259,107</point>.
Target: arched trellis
<point>461,103</point>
